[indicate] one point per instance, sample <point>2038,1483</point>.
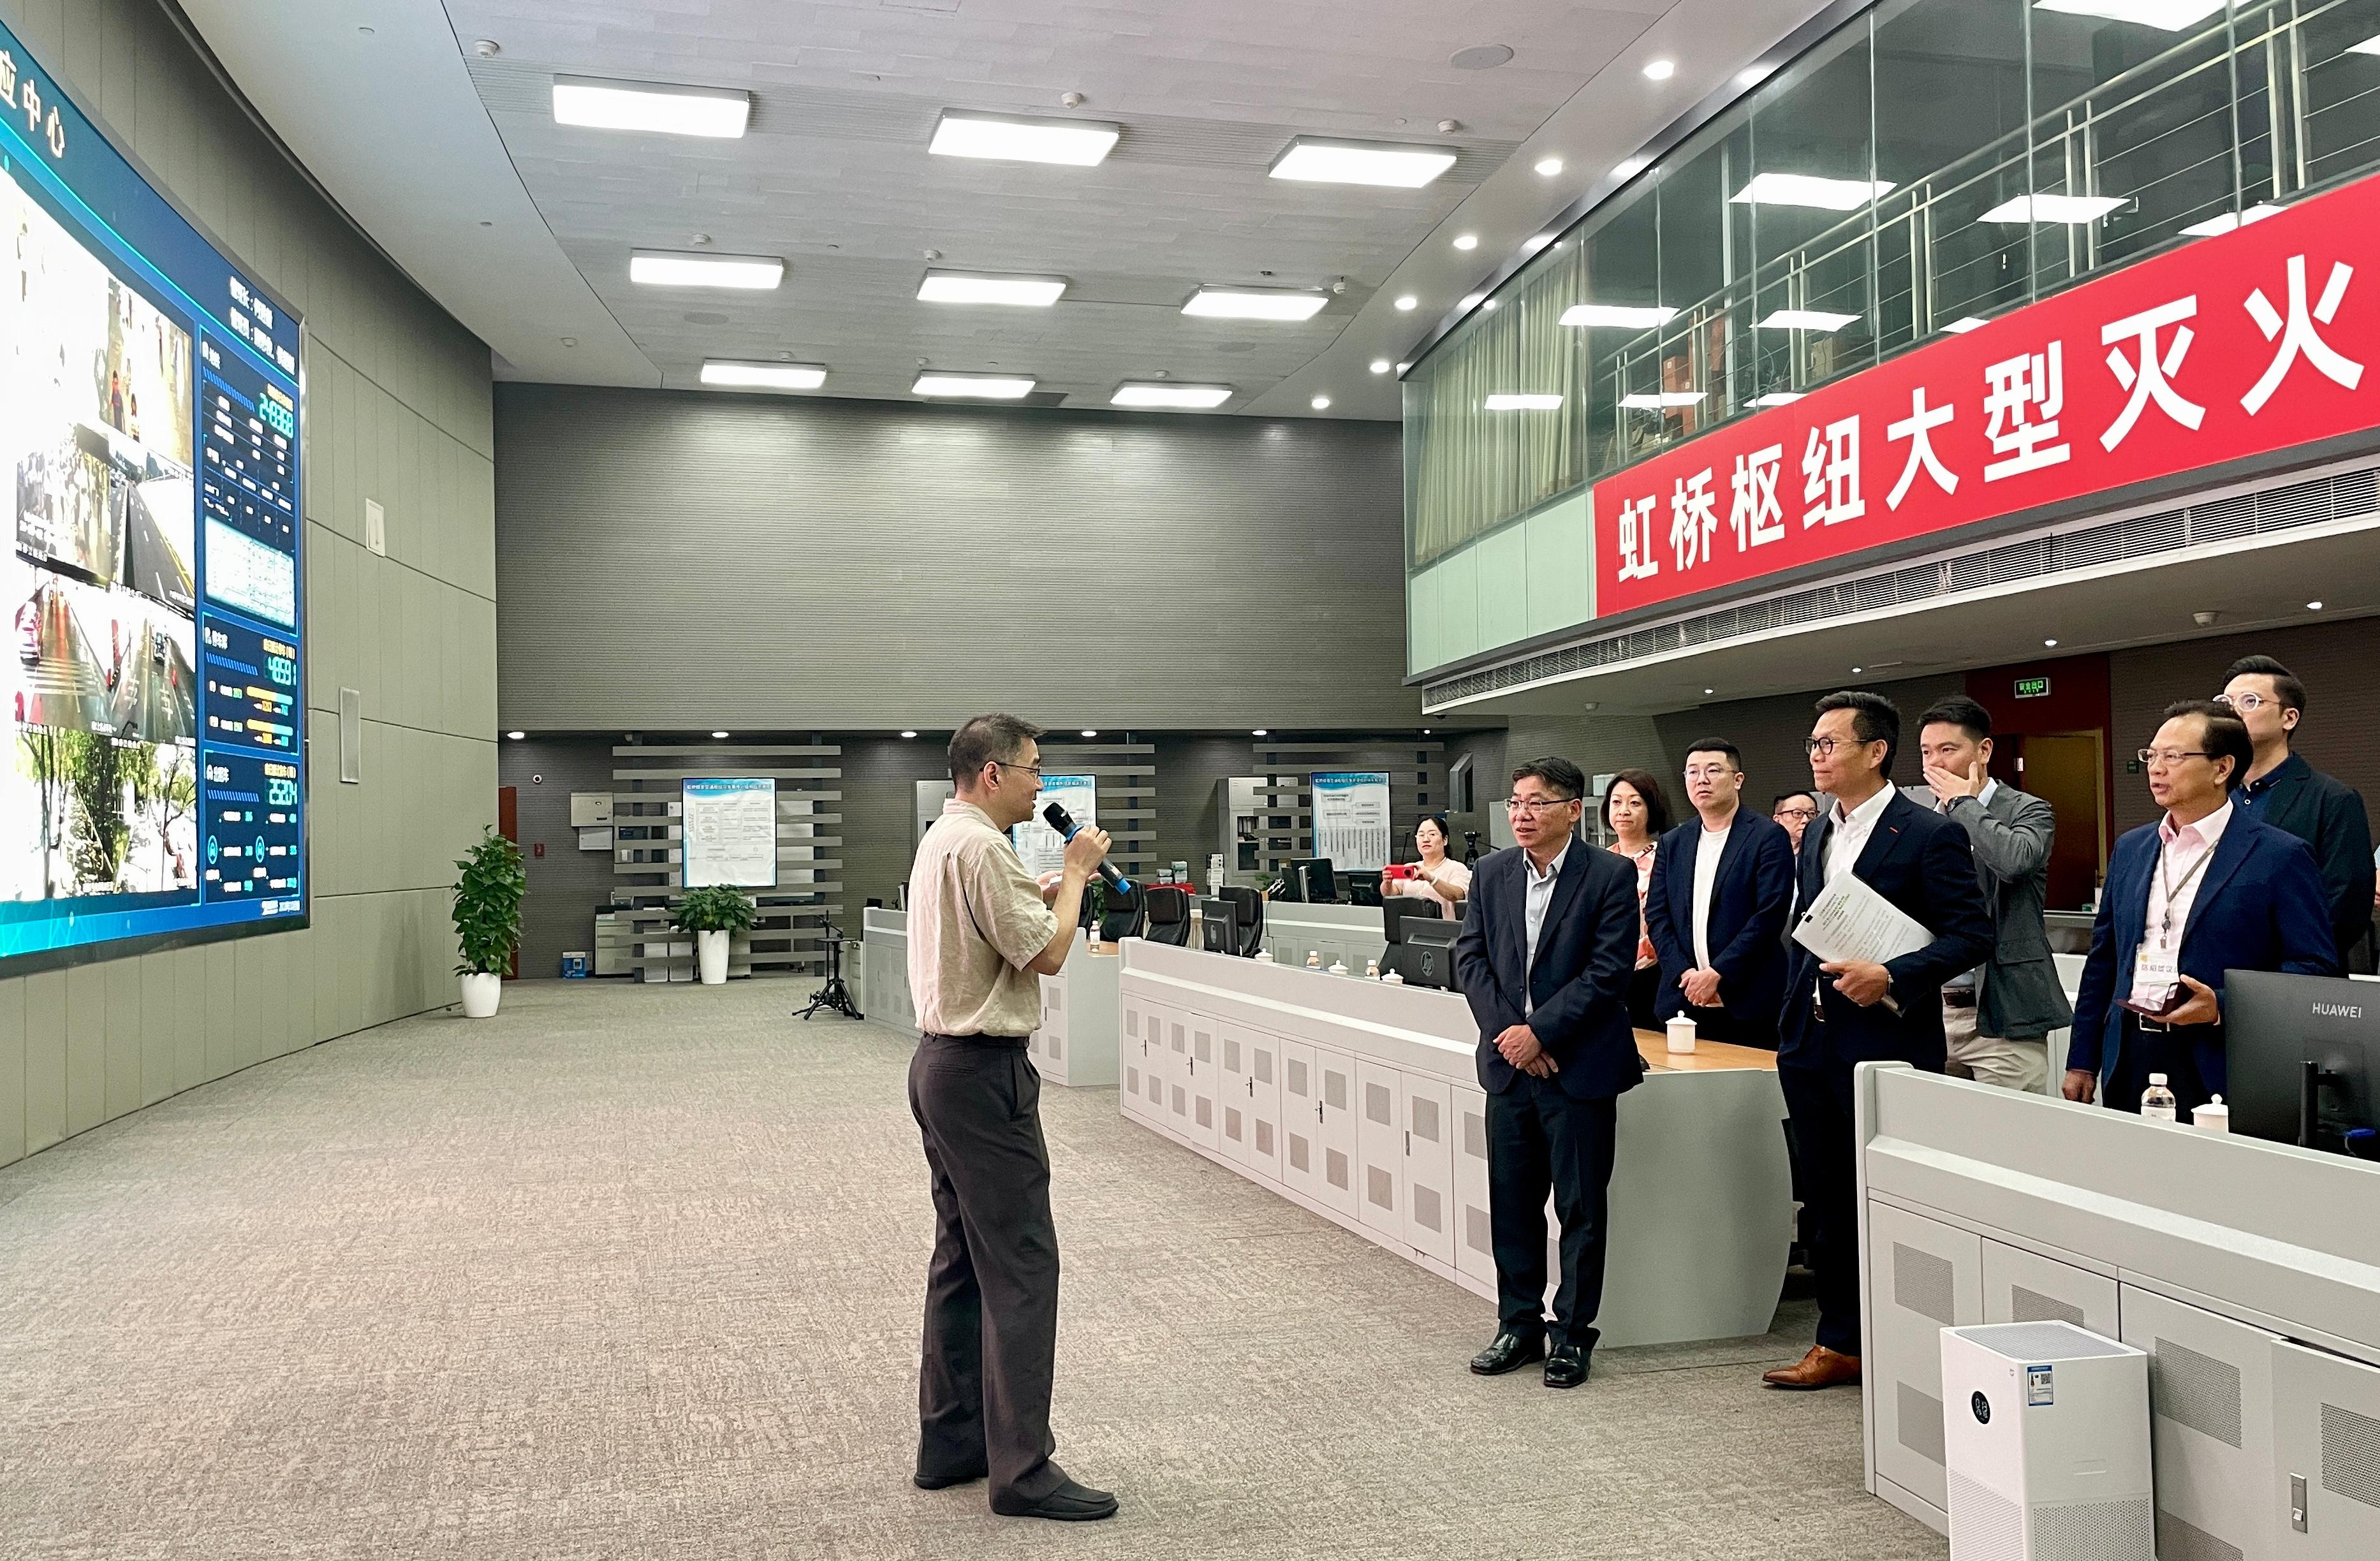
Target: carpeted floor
<point>634,1271</point>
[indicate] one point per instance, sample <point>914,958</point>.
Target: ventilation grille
<point>1381,1187</point>
<point>1474,1135</point>
<point>1264,1064</point>
<point>1157,1089</point>
<point>1177,1037</point>
<point>1203,1049</point>
<point>1297,1078</point>
<point>1056,1047</point>
<point>1924,1283</point>
<point>1300,1156</point>
<point>1380,1105</point>
<point>1477,1234</point>
<point>1206,1111</point>
<point>1230,1124</point>
<point>1921,1422</point>
<point>1264,1138</point>
<point>2195,1390</point>
<point>1231,1055</point>
<point>1132,1080</point>
<point>2031,1306</point>
<point>2179,1540</point>
<point>1425,1209</point>
<point>1180,1100</point>
<point>1334,1090</point>
<point>2096,1531</point>
<point>1425,1120</point>
<point>1132,1021</point>
<point>2350,1455</point>
<point>2340,496</point>
<point>1990,1525</point>
<point>1054,998</point>
<point>1335,1168</point>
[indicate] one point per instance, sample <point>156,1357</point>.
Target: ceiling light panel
<point>730,375</point>
<point>1962,326</point>
<point>1808,189</point>
<point>971,287</point>
<point>2166,16</point>
<point>1662,401</point>
<point>1805,319</point>
<point>662,268</point>
<point>651,106</point>
<point>1775,398</point>
<point>1254,303</point>
<point>1309,160</point>
<point>981,387</point>
<point>1077,143</point>
<point>1162,393</point>
<point>1637,316</point>
<point>2073,210</point>
<point>1512,401</point>
<point>2228,221</point>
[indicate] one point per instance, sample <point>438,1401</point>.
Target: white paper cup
<point>1681,1035</point>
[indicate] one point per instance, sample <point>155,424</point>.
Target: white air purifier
<point>2045,1436</point>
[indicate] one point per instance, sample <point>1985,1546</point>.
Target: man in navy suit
<point>1544,957</point>
<point>1722,888</point>
<point>1838,1014</point>
<point>2206,889</point>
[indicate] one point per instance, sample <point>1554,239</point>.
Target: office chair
<point>1247,914</point>
<point>1126,915</point>
<point>1169,916</point>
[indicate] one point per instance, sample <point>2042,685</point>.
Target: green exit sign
<point>2032,688</point>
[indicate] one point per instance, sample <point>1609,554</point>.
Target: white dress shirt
<point>1707,855</point>
<point>2182,853</point>
<point>1540,896</point>
<point>1849,837</point>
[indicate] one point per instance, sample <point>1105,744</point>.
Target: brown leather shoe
<point>1821,1367</point>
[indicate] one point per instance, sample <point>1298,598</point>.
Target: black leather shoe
<point>1566,1367</point>
<point>945,1481</point>
<point>1509,1353</point>
<point>1069,1503</point>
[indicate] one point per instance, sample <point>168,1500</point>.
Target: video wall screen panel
<point>154,783</point>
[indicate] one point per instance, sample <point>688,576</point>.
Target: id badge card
<point>2157,977</point>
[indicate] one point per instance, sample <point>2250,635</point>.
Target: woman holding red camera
<point>1437,876</point>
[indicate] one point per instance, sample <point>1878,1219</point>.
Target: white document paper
<point>1850,920</point>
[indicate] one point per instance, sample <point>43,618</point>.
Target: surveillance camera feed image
<point>149,410</point>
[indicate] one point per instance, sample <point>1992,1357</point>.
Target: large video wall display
<point>154,778</point>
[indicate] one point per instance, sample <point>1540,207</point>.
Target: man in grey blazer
<point>1996,1018</point>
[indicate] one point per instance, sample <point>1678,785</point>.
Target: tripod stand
<point>836,996</point>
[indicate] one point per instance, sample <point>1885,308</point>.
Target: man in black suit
<point>1544,958</point>
<point>1722,888</point>
<point>1840,1013</point>
<point>2284,790</point>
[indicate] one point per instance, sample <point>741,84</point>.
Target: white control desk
<point>1076,1042</point>
<point>1360,1102</point>
<point>2249,1271</point>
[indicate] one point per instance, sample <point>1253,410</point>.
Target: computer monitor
<point>1218,927</point>
<point>1312,877</point>
<point>1428,958</point>
<point>1394,914</point>
<point>2304,1058</point>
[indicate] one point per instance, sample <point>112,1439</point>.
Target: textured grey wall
<point>397,410</point>
<point>682,561</point>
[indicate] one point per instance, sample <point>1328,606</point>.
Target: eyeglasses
<point>2242,701</point>
<point>1708,771</point>
<point>1514,805</point>
<point>2172,756</point>
<point>1819,747</point>
<point>1804,814</point>
<point>1033,768</point>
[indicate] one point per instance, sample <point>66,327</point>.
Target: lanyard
<point>2165,927</point>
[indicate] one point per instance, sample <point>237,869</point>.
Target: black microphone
<point>1058,818</point>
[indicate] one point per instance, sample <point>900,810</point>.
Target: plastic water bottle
<point>1314,959</point>
<point>2157,1103</point>
<point>1371,970</point>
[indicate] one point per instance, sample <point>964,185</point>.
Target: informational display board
<point>731,832</point>
<point>1351,819</point>
<point>155,783</point>
<point>1042,849</point>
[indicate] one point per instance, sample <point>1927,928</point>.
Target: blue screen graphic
<point>155,783</point>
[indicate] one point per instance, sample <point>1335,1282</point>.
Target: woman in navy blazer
<point>2260,904</point>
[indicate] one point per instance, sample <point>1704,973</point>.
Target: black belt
<point>978,1040</point>
<point>1959,996</point>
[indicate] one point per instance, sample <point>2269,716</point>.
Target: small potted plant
<point>714,913</point>
<point>489,884</point>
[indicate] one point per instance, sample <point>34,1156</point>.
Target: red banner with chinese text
<point>2235,345</point>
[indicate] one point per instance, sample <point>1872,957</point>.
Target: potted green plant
<point>489,884</point>
<point>714,913</point>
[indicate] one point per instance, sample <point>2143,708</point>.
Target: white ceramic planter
<point>710,957</point>
<point>480,994</point>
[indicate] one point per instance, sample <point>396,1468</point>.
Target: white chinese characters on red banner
<point>2237,345</point>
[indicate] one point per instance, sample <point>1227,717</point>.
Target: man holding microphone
<point>981,936</point>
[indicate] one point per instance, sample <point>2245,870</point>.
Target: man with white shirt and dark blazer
<point>1838,1014</point>
<point>1996,1018</point>
<point>1547,949</point>
<point>1722,888</point>
<point>2208,888</point>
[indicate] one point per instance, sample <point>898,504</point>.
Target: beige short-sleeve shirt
<point>975,921</point>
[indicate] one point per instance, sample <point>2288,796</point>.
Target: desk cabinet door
<point>1380,1149</point>
<point>1336,1071</point>
<point>1429,1166</point>
<point>2024,1286</point>
<point>1922,1276</point>
<point>1132,1056</point>
<point>2326,1433</point>
<point>1202,1072</point>
<point>2211,1417</point>
<point>1233,1061</point>
<point>1301,1121</point>
<point>1474,1247</point>
<point>1261,1099</point>
<point>1177,1073</point>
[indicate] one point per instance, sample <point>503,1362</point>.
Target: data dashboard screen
<point>155,783</point>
